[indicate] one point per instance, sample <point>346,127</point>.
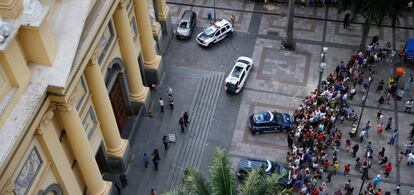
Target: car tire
<point>230,34</point>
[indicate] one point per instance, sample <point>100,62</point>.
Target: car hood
<point>183,31</point>
<point>287,119</point>
<point>203,37</point>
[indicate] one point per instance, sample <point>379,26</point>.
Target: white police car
<point>215,33</point>
<point>238,75</point>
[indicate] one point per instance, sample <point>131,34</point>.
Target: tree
<point>373,12</point>
<point>289,42</point>
<point>221,180</point>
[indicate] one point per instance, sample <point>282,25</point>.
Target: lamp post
<point>322,65</point>
<point>214,9</point>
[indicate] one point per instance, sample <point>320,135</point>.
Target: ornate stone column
<point>137,91</point>
<point>114,144</point>
<point>152,60</point>
<point>81,148</point>
<point>50,142</point>
<point>162,9</point>
<point>164,18</point>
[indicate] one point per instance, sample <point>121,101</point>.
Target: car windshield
<point>209,32</point>
<point>184,24</point>
<point>236,71</point>
<point>243,61</point>
<point>264,116</point>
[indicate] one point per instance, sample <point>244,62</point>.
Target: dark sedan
<point>270,122</point>
<point>267,166</point>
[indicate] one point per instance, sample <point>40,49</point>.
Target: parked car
<point>186,24</point>
<point>269,122</point>
<point>215,33</point>
<point>238,75</point>
<point>268,167</point>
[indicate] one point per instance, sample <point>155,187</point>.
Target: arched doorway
<point>118,92</point>
<point>53,189</point>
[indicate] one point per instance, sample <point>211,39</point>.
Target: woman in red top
<point>347,168</point>
<point>388,169</point>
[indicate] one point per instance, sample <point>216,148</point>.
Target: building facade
<point>73,74</point>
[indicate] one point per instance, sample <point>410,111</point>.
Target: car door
<point>275,126</point>
<point>217,36</point>
<point>242,78</point>
<point>264,127</point>
<point>223,33</point>
<point>248,68</point>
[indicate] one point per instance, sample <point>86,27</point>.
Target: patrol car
<point>238,75</point>
<point>215,33</point>
<point>263,122</point>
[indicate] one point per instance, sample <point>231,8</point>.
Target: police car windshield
<point>236,72</point>
<point>208,32</point>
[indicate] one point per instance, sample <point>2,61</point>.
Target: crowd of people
<point>315,140</point>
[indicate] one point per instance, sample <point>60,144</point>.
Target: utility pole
<point>214,9</point>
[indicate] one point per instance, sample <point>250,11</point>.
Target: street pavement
<point>280,81</point>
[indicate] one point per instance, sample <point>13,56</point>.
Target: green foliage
<point>374,12</point>
<point>195,182</point>
<point>222,180</point>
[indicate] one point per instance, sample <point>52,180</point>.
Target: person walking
<point>145,158</point>
<point>117,188</point>
<point>408,105</point>
<point>394,137</point>
<point>232,20</point>
<point>347,168</point>
<point>165,141</point>
<point>381,101</point>
<point>347,145</point>
<point>355,149</point>
<point>327,163</point>
<point>346,20</point>
<point>400,94</point>
<point>161,104</point>
<point>169,92</point>
<point>335,167</point>
<point>155,158</point>
<point>181,123</point>
<point>410,159</point>
<point>290,140</point>
<point>389,123</point>
<point>124,179</point>
<point>409,83</point>
<point>377,181</point>
<point>388,169</point>
<point>362,134</point>
<point>379,127</point>
<point>171,102</point>
<point>364,171</point>
<point>185,117</point>
<point>329,176</point>
<point>367,128</point>
<point>348,188</point>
